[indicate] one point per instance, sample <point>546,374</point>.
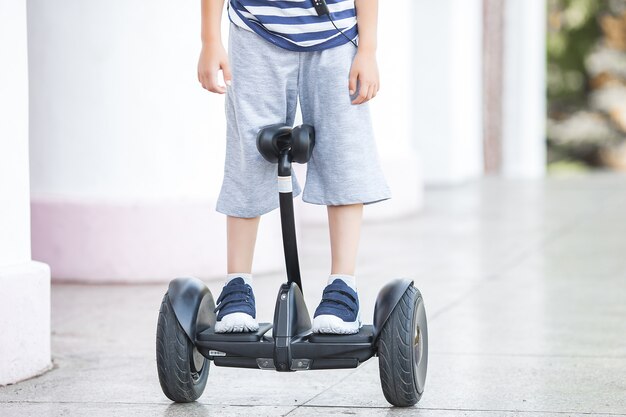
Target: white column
<point>127,148</point>
<point>24,284</point>
<point>392,111</point>
<point>447,111</point>
<point>524,139</point>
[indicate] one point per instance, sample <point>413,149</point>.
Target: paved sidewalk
<point>525,289</point>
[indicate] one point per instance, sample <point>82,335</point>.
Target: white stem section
<point>285,185</point>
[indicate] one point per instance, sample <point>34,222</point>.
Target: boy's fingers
<point>368,94</point>
<point>228,76</point>
<point>357,99</point>
<point>363,91</point>
<point>352,82</point>
<point>212,83</point>
<point>203,80</point>
<point>370,91</point>
<point>220,89</point>
<point>373,90</point>
<point>209,81</point>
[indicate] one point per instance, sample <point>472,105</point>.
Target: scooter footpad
<point>209,335</point>
<point>365,335</point>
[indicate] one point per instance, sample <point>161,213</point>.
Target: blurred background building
<point>126,148</point>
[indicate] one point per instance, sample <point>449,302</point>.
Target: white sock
<point>350,280</point>
<point>247,278</point>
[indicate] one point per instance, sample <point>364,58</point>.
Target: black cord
<point>340,31</point>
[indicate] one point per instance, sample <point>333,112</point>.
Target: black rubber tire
<point>180,380</point>
<point>396,355</point>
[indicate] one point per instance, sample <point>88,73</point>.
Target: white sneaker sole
<point>327,323</point>
<point>236,323</point>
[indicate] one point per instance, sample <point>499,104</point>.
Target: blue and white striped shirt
<point>294,24</point>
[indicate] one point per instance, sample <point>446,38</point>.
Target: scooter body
<point>285,345</point>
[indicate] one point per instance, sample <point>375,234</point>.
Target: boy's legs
<point>344,224</point>
<point>241,238</point>
<point>237,297</point>
<point>338,312</point>
<point>342,174</point>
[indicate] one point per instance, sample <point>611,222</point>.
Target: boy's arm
<point>367,23</point>
<point>211,20</point>
<point>364,67</point>
<point>213,56</point>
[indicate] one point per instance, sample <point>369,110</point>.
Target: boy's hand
<point>365,70</point>
<point>213,57</point>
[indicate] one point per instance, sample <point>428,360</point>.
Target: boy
<point>280,51</point>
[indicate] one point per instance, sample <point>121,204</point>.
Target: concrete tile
<point>564,263</point>
<point>534,314</point>
<point>488,382</point>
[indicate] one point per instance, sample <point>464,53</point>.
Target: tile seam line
<point>32,402</point>
<point>478,410</point>
<point>322,406</point>
<point>332,386</point>
<point>523,355</point>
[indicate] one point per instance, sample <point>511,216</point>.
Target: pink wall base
<point>142,242</point>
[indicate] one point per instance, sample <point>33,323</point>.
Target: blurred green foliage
<point>573,30</point>
<point>586,117</point>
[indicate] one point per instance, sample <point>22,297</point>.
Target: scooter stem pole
<point>287,219</point>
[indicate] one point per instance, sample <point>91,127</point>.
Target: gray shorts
<point>266,84</point>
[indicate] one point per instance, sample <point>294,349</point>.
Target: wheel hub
<point>420,345</point>
<point>197,362</point>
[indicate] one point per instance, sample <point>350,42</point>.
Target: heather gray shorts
<point>266,84</point>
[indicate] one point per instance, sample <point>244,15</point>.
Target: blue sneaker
<point>235,308</point>
<point>338,312</point>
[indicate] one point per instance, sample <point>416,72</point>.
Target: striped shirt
<point>294,24</point>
